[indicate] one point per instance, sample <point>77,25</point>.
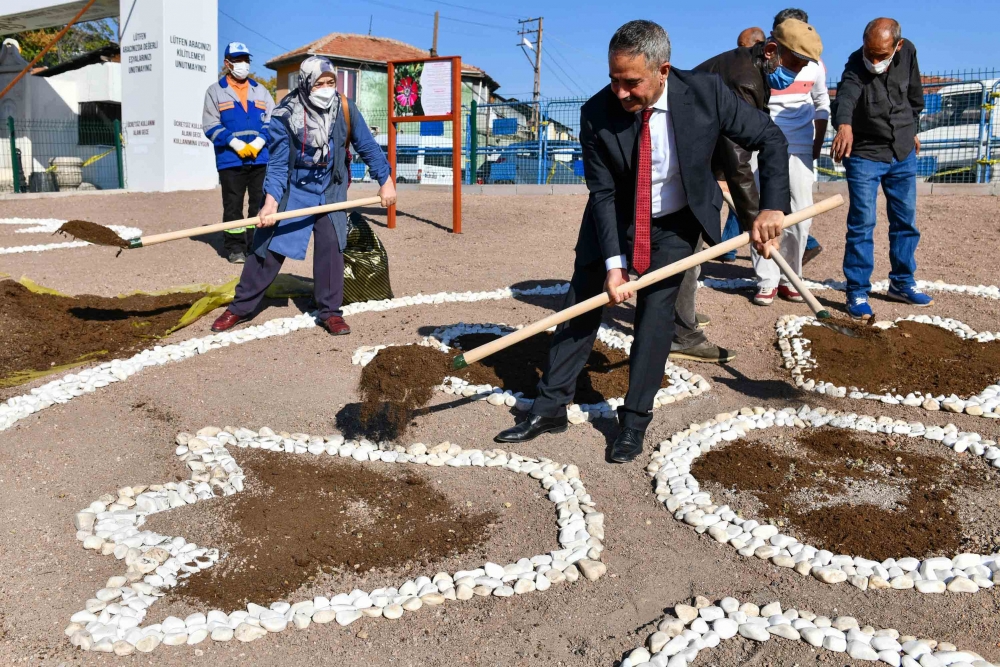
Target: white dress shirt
<point>668,194</point>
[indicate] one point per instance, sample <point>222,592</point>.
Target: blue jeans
<point>899,184</point>
<point>730,231</point>
<point>811,243</point>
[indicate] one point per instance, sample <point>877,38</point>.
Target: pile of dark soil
<point>856,493</point>
<point>44,331</point>
<point>909,357</point>
<point>298,519</point>
<point>91,232</point>
<point>399,379</point>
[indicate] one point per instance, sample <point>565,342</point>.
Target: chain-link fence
<point>959,129</point>
<point>51,156</point>
<point>514,142</point>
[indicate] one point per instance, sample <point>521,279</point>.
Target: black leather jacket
<point>742,70</point>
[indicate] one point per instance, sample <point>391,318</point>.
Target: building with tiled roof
<point>361,68</point>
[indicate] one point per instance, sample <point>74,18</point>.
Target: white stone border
<point>794,345</point>
<point>91,379</point>
<point>112,620</point>
<point>50,226</point>
<point>680,638</point>
<point>880,286</point>
<point>681,493</point>
<point>683,383</point>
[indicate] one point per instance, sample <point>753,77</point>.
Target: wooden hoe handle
<point>143,241</point>
<point>483,351</point>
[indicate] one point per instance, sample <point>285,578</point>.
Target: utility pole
<point>434,44</point>
<point>526,30</point>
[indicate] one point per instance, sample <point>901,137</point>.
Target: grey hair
<point>874,27</point>
<point>642,38</point>
<point>790,13</point>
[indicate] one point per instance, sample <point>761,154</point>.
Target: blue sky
<point>576,32</point>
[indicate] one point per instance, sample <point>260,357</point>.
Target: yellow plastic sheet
<point>216,296</point>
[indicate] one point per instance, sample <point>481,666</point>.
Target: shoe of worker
<point>532,427</point>
<point>237,258</point>
<point>811,253</point>
<point>788,293</point>
<point>703,320</point>
<point>706,352</point>
<point>627,446</point>
<point>765,296</point>
<point>336,325</point>
<point>226,321</point>
<point>858,308</point>
<point>909,294</point>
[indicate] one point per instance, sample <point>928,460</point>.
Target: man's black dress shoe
<point>628,445</point>
<point>532,427</point>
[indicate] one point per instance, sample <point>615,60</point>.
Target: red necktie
<point>643,197</point>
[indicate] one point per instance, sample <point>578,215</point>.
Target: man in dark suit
<point>647,141</point>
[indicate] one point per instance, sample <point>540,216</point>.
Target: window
<point>97,123</point>
<point>347,82</point>
<point>438,160</point>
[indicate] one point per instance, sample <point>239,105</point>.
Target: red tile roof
<point>362,48</point>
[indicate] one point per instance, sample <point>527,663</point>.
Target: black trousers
<point>238,183</point>
<point>328,272</point>
<point>672,238</point>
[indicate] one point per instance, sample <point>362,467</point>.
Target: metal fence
<point>527,143</point>
<point>49,155</point>
<point>959,129</point>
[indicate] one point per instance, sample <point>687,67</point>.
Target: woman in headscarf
<point>308,167</point>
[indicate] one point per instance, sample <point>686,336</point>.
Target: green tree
<point>81,38</point>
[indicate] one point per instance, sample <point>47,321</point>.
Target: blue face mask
<point>780,78</point>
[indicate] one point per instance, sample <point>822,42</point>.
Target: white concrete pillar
<point>169,58</point>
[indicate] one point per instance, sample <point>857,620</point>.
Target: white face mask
<point>323,97</point>
<point>240,70</point>
<point>880,68</point>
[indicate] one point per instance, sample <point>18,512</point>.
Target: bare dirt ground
<point>60,460</point>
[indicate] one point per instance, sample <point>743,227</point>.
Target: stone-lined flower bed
<point>50,226</point>
<point>680,638</point>
<point>793,341</point>
<point>683,383</point>
<point>681,493</point>
<point>112,525</point>
<point>91,379</point>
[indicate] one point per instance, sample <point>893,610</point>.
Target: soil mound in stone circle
<point>298,518</point>
<point>857,493</point>
<point>909,357</point>
<point>45,331</point>
<point>91,232</point>
<point>399,380</point>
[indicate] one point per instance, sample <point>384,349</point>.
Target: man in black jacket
<point>877,112</point>
<point>647,141</point>
<point>751,73</point>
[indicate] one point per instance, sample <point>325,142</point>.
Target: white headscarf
<point>309,123</point>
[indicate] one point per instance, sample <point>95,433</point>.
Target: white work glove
<point>237,145</point>
<point>258,143</point>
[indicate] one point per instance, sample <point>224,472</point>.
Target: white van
<point>420,159</point>
<point>957,131</point>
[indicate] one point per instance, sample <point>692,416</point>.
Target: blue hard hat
<point>236,49</point>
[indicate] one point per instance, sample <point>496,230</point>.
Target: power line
<point>555,62</point>
<point>559,78</point>
<point>284,49</point>
<point>492,26</point>
<point>472,9</point>
<point>577,49</point>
